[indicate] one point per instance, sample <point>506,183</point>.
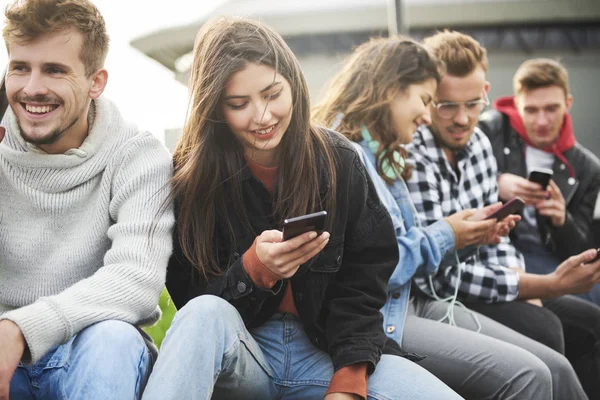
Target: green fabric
<point>386,168</point>
<point>158,330</point>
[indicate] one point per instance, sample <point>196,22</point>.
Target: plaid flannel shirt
<point>438,191</point>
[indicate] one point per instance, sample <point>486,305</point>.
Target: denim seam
<point>138,381</point>
<point>299,383</point>
<point>259,360</point>
<point>227,358</point>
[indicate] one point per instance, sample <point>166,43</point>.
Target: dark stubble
<point>56,134</point>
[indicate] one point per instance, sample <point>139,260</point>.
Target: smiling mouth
<point>265,131</point>
<point>39,109</point>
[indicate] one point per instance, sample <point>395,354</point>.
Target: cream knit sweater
<point>81,237</point>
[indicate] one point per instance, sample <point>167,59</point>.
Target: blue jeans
<point>208,353</point>
<point>108,360</point>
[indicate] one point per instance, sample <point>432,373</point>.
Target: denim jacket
<point>422,249</point>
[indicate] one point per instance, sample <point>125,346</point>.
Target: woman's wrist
<point>456,246</point>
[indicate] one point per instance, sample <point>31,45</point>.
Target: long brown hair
<point>361,93</point>
<point>208,158</point>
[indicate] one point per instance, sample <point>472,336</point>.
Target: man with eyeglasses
<point>533,130</point>
<point>455,169</point>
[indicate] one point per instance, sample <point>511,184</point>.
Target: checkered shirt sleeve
<point>438,191</point>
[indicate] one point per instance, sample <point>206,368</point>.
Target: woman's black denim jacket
<point>339,295</point>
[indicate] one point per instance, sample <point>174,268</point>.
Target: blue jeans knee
<point>204,312</point>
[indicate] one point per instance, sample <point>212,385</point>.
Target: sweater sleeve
<point>257,271</point>
<point>128,284</point>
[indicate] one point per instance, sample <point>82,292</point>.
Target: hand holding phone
<point>284,252</point>
<point>541,176</point>
<point>293,227</point>
<point>513,206</point>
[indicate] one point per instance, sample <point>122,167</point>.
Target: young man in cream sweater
<point>85,221</point>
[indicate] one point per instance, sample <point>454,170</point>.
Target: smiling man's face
<point>48,90</point>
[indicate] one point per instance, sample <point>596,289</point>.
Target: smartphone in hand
<point>293,227</point>
<point>597,256</point>
<point>541,176</point>
<point>513,206</point>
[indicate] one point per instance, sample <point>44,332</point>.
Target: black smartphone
<point>541,176</point>
<point>513,206</point>
<point>293,227</point>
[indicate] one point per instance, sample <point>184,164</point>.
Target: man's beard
<point>449,144</point>
<point>52,138</point>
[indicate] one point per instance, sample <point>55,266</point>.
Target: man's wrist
<point>559,223</point>
<point>13,333</point>
<point>551,285</point>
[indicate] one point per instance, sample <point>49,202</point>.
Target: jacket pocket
<point>331,257</point>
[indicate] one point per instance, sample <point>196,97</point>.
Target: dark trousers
<point>580,321</point>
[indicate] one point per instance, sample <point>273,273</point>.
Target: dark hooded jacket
<point>576,172</point>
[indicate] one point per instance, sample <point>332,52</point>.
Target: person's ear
<point>99,81</point>
<point>569,102</point>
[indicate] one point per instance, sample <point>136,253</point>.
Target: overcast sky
<point>145,91</point>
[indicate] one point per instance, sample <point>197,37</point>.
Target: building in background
<point>322,33</point>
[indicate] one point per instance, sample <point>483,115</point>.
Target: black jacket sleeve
<point>184,283</point>
<point>354,327</point>
<point>576,235</point>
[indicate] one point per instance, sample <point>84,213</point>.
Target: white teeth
<point>38,109</point>
<point>265,131</point>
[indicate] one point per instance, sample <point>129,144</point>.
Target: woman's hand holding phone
<point>283,258</point>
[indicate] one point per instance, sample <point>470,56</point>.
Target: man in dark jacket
<point>533,130</point>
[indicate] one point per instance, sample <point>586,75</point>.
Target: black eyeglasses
<point>473,108</point>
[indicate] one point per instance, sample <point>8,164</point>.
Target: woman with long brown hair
<point>382,94</point>
<point>261,317</point>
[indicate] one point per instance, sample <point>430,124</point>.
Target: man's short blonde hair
<point>460,53</point>
<point>27,20</point>
<point>539,73</point>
